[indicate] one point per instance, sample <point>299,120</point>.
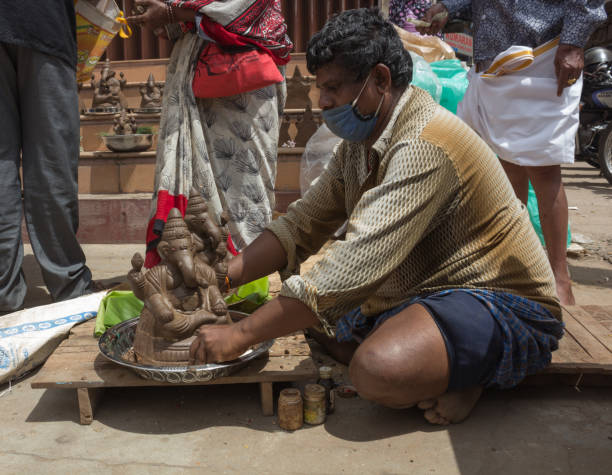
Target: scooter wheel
<point>605,153</point>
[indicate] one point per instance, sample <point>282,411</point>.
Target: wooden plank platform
<point>586,349</point>
<point>78,364</point>
<point>586,346</point>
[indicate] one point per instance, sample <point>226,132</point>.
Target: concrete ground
<point>220,429</point>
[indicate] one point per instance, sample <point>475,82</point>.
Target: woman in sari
<point>224,147</point>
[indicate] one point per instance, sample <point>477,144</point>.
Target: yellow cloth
<point>437,212</point>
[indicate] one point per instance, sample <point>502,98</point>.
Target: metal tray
<point>116,341</point>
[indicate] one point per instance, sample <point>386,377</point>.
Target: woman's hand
<point>439,11</point>
<point>154,14</point>
<point>217,343</point>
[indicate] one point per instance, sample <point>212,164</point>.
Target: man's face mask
<point>348,123</point>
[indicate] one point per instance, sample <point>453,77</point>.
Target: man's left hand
<point>217,343</point>
<point>569,62</point>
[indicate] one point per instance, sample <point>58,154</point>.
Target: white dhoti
<point>514,107</point>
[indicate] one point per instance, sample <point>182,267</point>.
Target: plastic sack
<point>28,337</point>
<point>424,77</point>
<point>534,217</point>
<point>116,307</point>
<point>97,23</point>
<point>453,78</point>
<point>317,153</point>
<point>431,48</point>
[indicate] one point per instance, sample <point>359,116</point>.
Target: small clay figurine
<point>107,91</point>
<point>125,123</point>
<point>151,94</point>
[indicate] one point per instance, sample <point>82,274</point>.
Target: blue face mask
<point>348,123</point>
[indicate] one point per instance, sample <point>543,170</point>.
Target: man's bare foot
<point>564,291</point>
<point>451,408</point>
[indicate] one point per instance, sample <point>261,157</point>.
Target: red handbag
<point>226,72</point>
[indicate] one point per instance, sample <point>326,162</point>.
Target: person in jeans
<point>39,120</point>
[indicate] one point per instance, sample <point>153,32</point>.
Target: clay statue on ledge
<point>181,293</point>
<point>151,94</point>
<point>124,123</point>
<point>108,90</point>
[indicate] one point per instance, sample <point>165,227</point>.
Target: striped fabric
<point>530,331</point>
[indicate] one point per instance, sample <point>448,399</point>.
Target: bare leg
<point>405,362</point>
<point>518,179</point>
<point>552,205</point>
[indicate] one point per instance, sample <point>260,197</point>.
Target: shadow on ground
<point>37,293</point>
<point>586,177</point>
<point>181,409</point>
<point>591,276</point>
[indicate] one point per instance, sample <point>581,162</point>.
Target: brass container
<point>290,409</point>
<point>314,404</point>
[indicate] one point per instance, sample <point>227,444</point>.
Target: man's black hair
<point>358,40</point>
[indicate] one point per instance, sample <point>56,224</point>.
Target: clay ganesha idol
<point>181,293</point>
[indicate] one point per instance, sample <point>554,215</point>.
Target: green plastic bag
<point>248,297</point>
<point>424,77</point>
<point>454,81</point>
<point>534,216</point>
<point>116,307</point>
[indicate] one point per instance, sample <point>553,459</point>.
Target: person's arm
<point>281,316</point>
<point>306,226</point>
<point>157,14</point>
<point>581,19</point>
<point>443,10</point>
<point>264,256</point>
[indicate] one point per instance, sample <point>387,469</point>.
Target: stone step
<point>123,218</point>
<point>111,218</point>
<point>115,193</point>
<point>134,172</point>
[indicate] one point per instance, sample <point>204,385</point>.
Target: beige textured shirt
<point>430,209</point>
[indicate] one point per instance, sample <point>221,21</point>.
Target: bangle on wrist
<point>170,14</point>
<point>228,283</point>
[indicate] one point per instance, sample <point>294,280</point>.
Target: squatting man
<point>440,287</point>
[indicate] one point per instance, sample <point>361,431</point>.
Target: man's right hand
<point>436,24</point>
